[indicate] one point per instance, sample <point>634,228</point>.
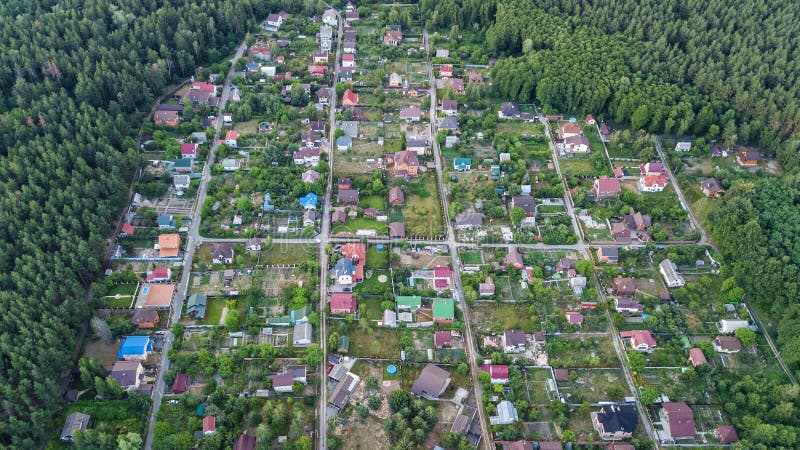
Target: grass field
<point>214,307</point>
<point>423,210</point>
<point>361,223</point>
<point>471,258</point>
<point>123,289</point>
<point>377,259</point>
<point>109,416</point>
<point>381,342</point>
<point>501,317</point>
<point>284,254</point>
<point>374,201</point>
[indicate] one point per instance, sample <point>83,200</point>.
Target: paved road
<point>455,260</point>
<point>322,404</point>
<point>192,240</point>
<point>696,223</point>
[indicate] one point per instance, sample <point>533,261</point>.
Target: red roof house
<point>189,150</point>
<point>497,372</point>
<point>442,339</point>
<point>605,187</point>
<point>680,419</point>
<point>696,357</point>
<point>209,425</point>
<point>727,434</point>
<point>180,384</point>
<point>128,229</point>
<point>343,303</point>
<point>641,340</point>
<point>159,274</point>
<point>574,318</point>
<point>349,98</point>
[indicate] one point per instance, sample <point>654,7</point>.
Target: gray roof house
<point>302,334</point>
<point>431,382</point>
<point>469,220</point>
<point>506,414</point>
<point>76,421</point>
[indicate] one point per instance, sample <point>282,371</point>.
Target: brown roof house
<point>393,38</point>
<point>727,344</point>
<point>623,286</point>
<point>431,382</point>
<point>696,357</point>
<point>748,157</point>
<point>711,188</point>
<point>347,197</point>
<point>605,187</point>
<point>679,418</point>
<point>396,196</point>
<point>406,163</point>
<point>397,230</point>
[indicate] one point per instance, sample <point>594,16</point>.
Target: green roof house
<point>344,344</point>
<point>409,302</point>
<point>196,306</point>
<point>444,310</point>
<point>283,321</point>
<point>462,164</point>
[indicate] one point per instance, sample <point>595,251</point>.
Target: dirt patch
<point>223,315</point>
<point>106,354</point>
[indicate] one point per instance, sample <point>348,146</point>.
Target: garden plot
<point>594,385</point>
<point>581,351</point>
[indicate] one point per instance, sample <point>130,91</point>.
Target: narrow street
<point>192,241</point>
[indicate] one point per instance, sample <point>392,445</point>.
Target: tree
<point>399,399</point>
<point>363,412</point>
<point>94,440</point>
<point>517,215</point>
<point>374,402</point>
<point>371,383</point>
<point>636,361</point>
<point>314,355</point>
<point>89,368</point>
<point>649,395</point>
<point>232,319</point>
<point>568,436</point>
<point>129,441</point>
<point>746,336</point>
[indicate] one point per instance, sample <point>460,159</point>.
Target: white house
<point>670,273</point>
<point>302,334</point>
<point>655,183</point>
<point>577,144</point>
<point>727,326</point>
<point>683,146</point>
<point>329,17</point>
<point>181,182</point>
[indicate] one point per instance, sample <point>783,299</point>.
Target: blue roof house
<point>344,266</point>
<point>165,221</point>
<point>309,201</point>
<point>252,67</point>
<point>268,206</point>
<point>135,348</point>
<point>462,164</point>
<point>344,143</point>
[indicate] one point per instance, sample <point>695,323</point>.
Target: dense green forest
<point>76,79</point>
<point>721,70</point>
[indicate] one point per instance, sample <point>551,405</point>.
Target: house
<point>253,245</point>
<point>462,164</point>
<point>655,183</point>
<point>357,253</point>
<point>158,296</point>
<point>679,419</point>
<point>348,60</point>
<point>309,218</point>
<point>167,118</point>
<point>190,150</point>
<point>641,340</point>
<point>135,348</point>
<point>652,169</point>
<point>449,124</point>
<point>209,425</point>
<point>347,197</point>
<point>344,183</point>
<point>605,187</point>
<point>711,188</point>
<point>514,258</point>
<point>397,230</point>
<point>181,182</point>
<point>451,141</point>
<point>498,373</point>
<point>393,38</point>
<point>570,129</point>
<point>577,144</point>
<point>526,202</point>
<point>589,120</point>
<point>442,339</point>
<point>317,71</point>
<point>308,201</point>
<point>605,132</point>
<point>323,96</point>
<point>727,344</point>
<point>574,318</point>
<point>297,372</point>
<point>350,16</point>
<point>628,306</point>
<point>608,255</point>
<point>748,157</point>
<point>306,156</point>
<point>396,196</point>
<point>261,52</point>
<point>75,422</point>
<point>509,110</point>
<point>683,146</point>
<point>696,357</point>
<point>616,421</point>
<point>341,394</point>
<point>180,384</point>
<point>310,176</point>
<point>302,334</point>
<point>230,164</point>
<point>338,216</point>
<point>443,310</point>
<point>539,340</point>
<point>222,253</point>
<point>395,80</point>
<point>158,274</point>
<point>165,222</point>
<point>145,318</point>
<point>417,145</point>
<point>431,382</point>
<point>728,326</point>
<point>726,434</point>
<point>405,163</point>
<point>446,70</point>
<point>343,303</point>
<point>282,382</point>
<point>506,414</point>
<point>349,98</point>
<point>456,84</point>
<point>127,230</point>
<point>321,57</point>
<point>349,46</point>
<point>128,374</point>
<point>449,107</point>
<point>514,341</point>
<point>468,220</point>
<point>486,289</point>
<point>637,221</point>
<point>670,273</point>
<point>196,306</point>
<point>330,17</point>
<point>408,302</point>
<point>410,114</point>
<point>623,286</point>
<point>232,138</point>
<point>620,232</point>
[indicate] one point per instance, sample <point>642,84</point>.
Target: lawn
<point>500,317</point>
<point>582,352</point>
<point>471,258</point>
<point>377,259</point>
<point>423,210</point>
<point>374,201</point>
<point>373,307</point>
<point>124,301</point>
<point>109,416</point>
<point>285,254</point>
<point>520,128</point>
<point>362,223</point>
<point>123,289</point>
<point>214,307</point>
<point>381,342</point>
<point>595,385</point>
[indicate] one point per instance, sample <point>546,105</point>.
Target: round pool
<point>379,247</point>
<point>391,369</point>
